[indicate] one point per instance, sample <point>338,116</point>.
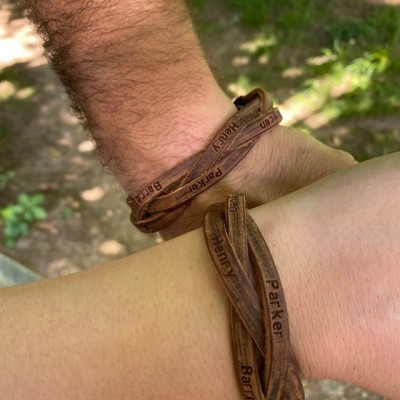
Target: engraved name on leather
<point>164,200</point>
<point>220,140</point>
<point>259,321</point>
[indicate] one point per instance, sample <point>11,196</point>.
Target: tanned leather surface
<point>163,200</point>
<point>265,366</point>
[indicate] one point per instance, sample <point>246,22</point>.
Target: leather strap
<point>163,200</point>
<point>265,367</point>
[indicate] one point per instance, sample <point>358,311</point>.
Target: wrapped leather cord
<point>163,200</point>
<point>265,367</point>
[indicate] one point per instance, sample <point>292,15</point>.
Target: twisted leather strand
<point>164,199</point>
<point>265,367</point>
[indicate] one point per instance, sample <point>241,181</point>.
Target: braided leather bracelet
<point>259,321</point>
<point>163,200</point>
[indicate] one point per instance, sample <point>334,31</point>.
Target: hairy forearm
<point>137,75</point>
<point>155,325</point>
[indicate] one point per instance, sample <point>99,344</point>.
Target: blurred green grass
<point>15,89</point>
<point>331,64</point>
<point>336,62</point>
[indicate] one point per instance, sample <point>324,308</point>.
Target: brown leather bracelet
<point>259,321</point>
<point>163,200</point>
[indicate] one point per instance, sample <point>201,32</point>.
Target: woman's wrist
<point>336,247</point>
<point>162,317</point>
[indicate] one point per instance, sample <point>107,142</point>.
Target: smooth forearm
<point>155,325</point>
<point>135,329</point>
<point>348,273</point>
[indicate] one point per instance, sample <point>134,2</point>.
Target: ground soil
<point>88,220</point>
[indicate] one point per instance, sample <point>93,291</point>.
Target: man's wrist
<point>137,77</point>
<point>184,128</point>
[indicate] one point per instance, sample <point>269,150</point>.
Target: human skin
<point>149,100</point>
<point>137,76</point>
<point>155,325</point>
